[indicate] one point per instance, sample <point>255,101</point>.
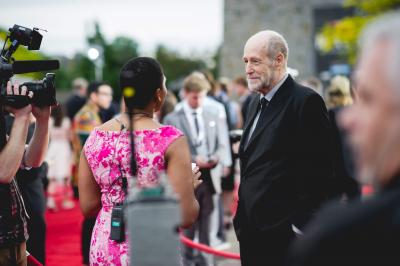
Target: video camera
<point>44,90</point>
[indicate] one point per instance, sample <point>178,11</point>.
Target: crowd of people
<point>296,153</point>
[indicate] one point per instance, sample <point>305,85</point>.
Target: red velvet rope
<point>208,249</point>
<point>32,261</point>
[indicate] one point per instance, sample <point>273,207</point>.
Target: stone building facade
<point>294,19</point>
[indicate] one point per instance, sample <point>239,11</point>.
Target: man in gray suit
<point>201,127</point>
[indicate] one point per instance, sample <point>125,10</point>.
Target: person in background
<point>242,91</point>
<point>339,97</point>
<point>339,92</point>
<point>78,97</point>
<point>105,160</point>
<point>200,125</point>
<point>59,158</point>
<point>168,106</point>
<point>88,117</point>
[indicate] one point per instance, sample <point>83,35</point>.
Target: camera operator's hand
<point>15,90</point>
<point>42,114</point>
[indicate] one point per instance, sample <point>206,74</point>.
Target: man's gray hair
<point>277,44</point>
<point>385,29</point>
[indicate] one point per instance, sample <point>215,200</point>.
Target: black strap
<point>122,177</point>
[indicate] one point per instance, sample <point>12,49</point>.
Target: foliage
<point>341,36</point>
<point>176,66</point>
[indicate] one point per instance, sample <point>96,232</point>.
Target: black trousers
<point>86,236</point>
<point>37,237</point>
<point>203,194</point>
<point>269,249</point>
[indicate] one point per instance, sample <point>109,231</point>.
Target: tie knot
<point>263,103</point>
<point>194,113</point>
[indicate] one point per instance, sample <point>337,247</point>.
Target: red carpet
<point>63,246</point>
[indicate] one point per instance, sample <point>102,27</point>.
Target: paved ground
<point>234,249</point>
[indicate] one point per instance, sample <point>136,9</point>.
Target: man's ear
<point>279,59</point>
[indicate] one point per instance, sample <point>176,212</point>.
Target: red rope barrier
<point>32,261</point>
<point>208,249</point>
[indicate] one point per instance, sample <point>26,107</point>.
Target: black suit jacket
<point>360,233</point>
<point>286,167</point>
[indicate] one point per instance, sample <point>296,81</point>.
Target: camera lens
<point>44,93</point>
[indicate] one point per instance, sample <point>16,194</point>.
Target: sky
<point>187,26</point>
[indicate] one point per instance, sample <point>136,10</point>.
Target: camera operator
<point>14,155</point>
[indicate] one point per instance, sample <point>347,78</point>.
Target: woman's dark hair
<point>58,114</point>
<point>145,76</point>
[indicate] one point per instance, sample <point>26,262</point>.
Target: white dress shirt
<point>198,138</point>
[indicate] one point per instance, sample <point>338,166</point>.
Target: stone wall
<point>292,18</point>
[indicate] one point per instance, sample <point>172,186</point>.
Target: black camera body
<point>44,91</point>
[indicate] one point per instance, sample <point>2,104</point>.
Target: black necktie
<point>262,104</point>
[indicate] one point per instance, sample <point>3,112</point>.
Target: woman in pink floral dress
<point>107,153</point>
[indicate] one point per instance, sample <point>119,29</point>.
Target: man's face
<point>372,121</point>
<point>195,99</point>
<point>259,67</point>
<point>104,96</point>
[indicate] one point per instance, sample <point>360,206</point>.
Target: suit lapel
<point>186,127</point>
<point>210,134</point>
<point>274,107</point>
<point>252,112</point>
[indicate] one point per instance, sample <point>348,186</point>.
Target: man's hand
<point>196,177</point>
<point>14,90</point>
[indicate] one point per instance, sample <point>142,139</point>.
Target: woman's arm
<point>182,179</point>
<point>89,191</point>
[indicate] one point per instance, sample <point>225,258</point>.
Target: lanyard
<point>122,177</point>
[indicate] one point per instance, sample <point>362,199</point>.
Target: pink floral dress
<point>106,151</point>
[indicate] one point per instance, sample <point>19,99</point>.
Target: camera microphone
<point>19,67</point>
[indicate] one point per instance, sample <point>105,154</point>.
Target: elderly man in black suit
<point>285,154</point>
<point>366,232</point>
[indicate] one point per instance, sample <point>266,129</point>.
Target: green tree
<point>341,36</point>
<point>79,66</point>
<point>175,65</point>
<point>116,55</point>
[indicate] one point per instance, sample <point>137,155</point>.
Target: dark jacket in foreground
<point>361,233</point>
